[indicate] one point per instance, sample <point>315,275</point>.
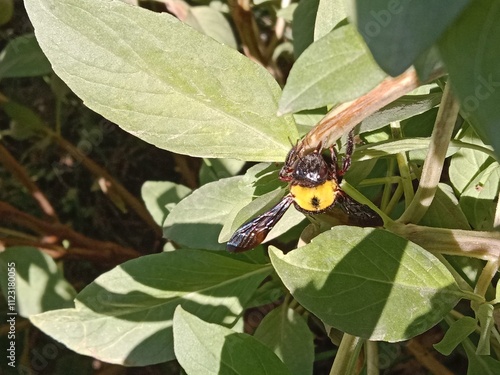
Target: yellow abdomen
<point>315,199</point>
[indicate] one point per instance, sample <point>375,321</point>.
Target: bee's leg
<point>334,165</point>
<point>346,161</point>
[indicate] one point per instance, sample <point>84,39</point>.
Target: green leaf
<point>476,177</point>
<point>358,279</point>
<point>428,63</point>
<point>397,32</point>
<point>268,293</point>
<point>330,13</point>
<point>480,364</point>
<point>467,163</point>
<point>161,80</point>
<point>401,109</point>
<point>286,332</point>
<point>22,57</point>
<point>307,119</point>
<point>25,124</point>
<point>420,125</point>
<point>211,22</point>
<point>161,196</point>
<point>335,69</point>
<point>487,323</point>
<point>215,169</point>
<point>445,211</point>
<point>125,315</point>
<point>457,333</point>
<point>36,281</point>
<point>304,18</point>
<point>385,148</point>
<point>478,199</point>
<point>470,51</point>
<point>197,220</point>
<point>204,348</point>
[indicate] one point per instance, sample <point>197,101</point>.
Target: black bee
<point>314,189</point>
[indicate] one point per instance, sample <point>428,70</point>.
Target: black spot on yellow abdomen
<point>314,199</point>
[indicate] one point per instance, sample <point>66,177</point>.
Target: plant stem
<point>114,186</point>
<point>487,274</point>
<point>80,246</point>
<point>394,199</point>
<point>347,355</point>
<point>18,171</point>
<point>393,147</point>
<point>434,161</point>
<point>387,192</point>
<point>247,29</point>
<point>476,244</point>
<point>424,357</point>
<point>372,358</point>
<point>380,181</point>
<point>404,170</point>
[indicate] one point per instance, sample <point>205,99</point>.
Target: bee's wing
<point>359,214</point>
<point>255,231</point>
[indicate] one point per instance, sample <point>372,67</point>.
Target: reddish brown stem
<point>52,235</point>
<point>247,29</point>
<point>19,172</point>
<point>112,184</point>
<point>425,358</point>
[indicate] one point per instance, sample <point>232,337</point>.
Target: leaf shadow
<point>360,294</point>
<point>214,289</point>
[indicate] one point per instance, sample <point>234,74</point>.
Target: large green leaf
<point>369,283</point>
<point>335,69</point>
<point>161,80</point>
<point>204,348</point>
<point>34,281</point>
<point>197,220</point>
<point>287,334</point>
<point>397,32</point>
<point>125,315</point>
<point>470,51</point>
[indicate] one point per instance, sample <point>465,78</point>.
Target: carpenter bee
<point>314,184</point>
